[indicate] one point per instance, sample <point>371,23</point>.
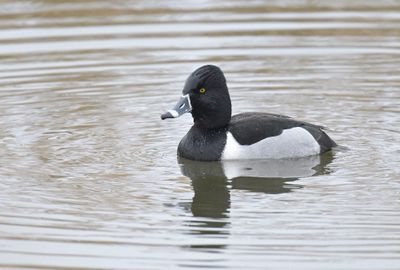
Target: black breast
<point>203,144</point>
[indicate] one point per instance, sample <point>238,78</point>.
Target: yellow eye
<point>202,90</point>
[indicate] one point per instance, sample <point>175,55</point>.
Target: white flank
<point>291,143</point>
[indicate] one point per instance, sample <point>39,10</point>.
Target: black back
<point>249,128</point>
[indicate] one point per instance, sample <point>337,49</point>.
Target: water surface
<point>89,177</point>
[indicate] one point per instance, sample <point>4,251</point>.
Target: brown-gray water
<point>89,177</point>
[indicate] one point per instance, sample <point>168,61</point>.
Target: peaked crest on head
<point>209,72</point>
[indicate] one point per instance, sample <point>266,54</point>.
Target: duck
<point>216,135</point>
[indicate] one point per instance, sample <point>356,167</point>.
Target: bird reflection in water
<point>214,181</point>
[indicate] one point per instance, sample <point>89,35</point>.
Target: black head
<point>206,96</point>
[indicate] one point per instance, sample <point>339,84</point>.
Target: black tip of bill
<point>170,114</point>
<point>167,115</point>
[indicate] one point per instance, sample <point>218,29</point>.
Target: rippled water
<point>89,177</point>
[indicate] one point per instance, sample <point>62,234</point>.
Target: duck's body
<point>255,136</point>
<point>216,135</point>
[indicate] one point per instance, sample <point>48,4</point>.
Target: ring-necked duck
<point>216,135</point>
